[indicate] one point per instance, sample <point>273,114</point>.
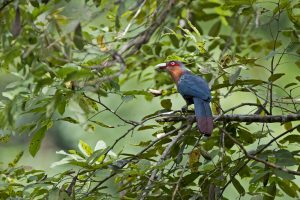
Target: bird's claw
<point>184,109</point>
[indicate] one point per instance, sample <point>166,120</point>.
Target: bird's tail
<point>203,116</point>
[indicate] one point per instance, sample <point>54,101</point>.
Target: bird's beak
<point>161,66</point>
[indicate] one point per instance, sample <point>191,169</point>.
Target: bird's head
<point>170,66</point>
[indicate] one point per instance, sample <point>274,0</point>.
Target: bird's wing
<point>195,86</point>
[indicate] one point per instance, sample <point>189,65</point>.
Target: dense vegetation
<point>66,59</point>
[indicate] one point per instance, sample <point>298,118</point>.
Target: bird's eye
<point>172,63</point>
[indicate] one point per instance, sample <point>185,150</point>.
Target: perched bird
<point>194,90</point>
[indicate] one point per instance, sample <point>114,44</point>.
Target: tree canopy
<point>64,61</point>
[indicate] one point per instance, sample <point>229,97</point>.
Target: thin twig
<point>110,110</point>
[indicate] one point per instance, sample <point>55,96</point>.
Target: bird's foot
<point>184,109</point>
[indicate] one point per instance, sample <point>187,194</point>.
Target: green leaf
<point>61,105</point>
<point>188,179</point>
<point>238,187</point>
<point>85,148</point>
<point>288,125</point>
<point>285,157</point>
<point>298,78</point>
<point>78,40</point>
<point>215,29</point>
<point>65,70</point>
<point>275,77</point>
<point>174,40</point>
<point>166,103</point>
<point>147,127</point>
<point>157,49</point>
<point>102,124</point>
<point>147,50</point>
<point>136,92</point>
<point>16,160</point>
<point>79,74</point>
<point>258,176</point>
<point>90,128</point>
<point>291,139</point>
<point>285,186</point>
<point>36,140</point>
<point>246,136</point>
<point>271,192</point>
<point>194,28</point>
<point>143,143</point>
<point>283,175</point>
<point>97,156</point>
<point>290,84</point>
<point>70,119</point>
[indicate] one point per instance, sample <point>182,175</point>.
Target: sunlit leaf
<point>101,43</point>
<point>85,148</point>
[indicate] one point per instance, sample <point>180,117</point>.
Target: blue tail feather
<point>203,116</point>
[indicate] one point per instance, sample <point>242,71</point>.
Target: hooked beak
<point>161,66</point>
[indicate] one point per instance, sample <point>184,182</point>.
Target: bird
<point>194,90</point>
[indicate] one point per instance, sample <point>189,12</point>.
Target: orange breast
<point>176,73</point>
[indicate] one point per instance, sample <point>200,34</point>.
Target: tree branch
<point>237,118</point>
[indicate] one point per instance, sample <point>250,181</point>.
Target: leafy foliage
<point>66,58</point>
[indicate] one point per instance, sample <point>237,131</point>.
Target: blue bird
<point>194,90</point>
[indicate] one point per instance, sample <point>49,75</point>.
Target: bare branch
<point>238,118</point>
